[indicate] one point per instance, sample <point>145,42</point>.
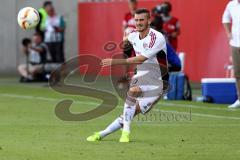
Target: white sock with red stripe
<point>128,113</point>
<point>114,126</point>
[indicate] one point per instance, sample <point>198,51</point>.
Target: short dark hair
<point>132,1</point>
<point>38,34</point>
<point>143,10</point>
<point>168,6</point>
<point>47,3</point>
<point>26,42</point>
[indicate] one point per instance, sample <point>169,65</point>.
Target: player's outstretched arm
<point>133,60</point>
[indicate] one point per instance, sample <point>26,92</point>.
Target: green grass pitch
<point>30,130</point>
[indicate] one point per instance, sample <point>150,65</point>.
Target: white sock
<point>128,113</point>
<point>114,126</point>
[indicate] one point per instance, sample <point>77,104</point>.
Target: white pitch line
<point>78,102</point>
<point>43,98</point>
<point>93,103</point>
<point>205,115</point>
<point>191,106</point>
<point>215,116</point>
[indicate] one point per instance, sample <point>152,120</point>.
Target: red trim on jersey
<point>153,39</point>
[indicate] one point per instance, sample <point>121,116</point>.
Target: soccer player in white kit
<point>146,86</point>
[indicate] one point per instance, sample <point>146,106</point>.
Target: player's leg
<point>130,107</point>
<point>129,111</point>
<point>123,120</point>
<point>117,124</point>
<point>125,137</point>
<point>236,64</point>
<point>33,70</point>
<point>114,126</point>
<point>143,106</point>
<point>22,69</point>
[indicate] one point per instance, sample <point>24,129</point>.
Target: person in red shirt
<point>128,21</point>
<point>128,27</point>
<point>171,24</point>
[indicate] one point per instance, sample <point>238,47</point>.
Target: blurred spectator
<point>129,22</point>
<point>171,24</point>
<point>43,17</point>
<point>35,52</point>
<point>231,22</point>
<point>157,21</point>
<point>229,69</point>
<point>54,35</point>
<point>174,63</point>
<point>128,27</point>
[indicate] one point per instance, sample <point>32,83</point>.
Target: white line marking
<point>191,106</point>
<point>43,98</point>
<point>94,103</point>
<point>205,115</point>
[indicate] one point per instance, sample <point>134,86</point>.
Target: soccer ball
<point>28,18</point>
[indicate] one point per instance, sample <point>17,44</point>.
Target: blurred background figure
<point>231,23</point>
<point>229,69</point>
<point>54,34</point>
<point>173,61</point>
<point>128,21</point>
<point>157,22</point>
<point>43,17</point>
<point>171,25</point>
<point>128,27</point>
<point>36,56</point>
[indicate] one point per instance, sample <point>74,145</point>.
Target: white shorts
<point>32,68</point>
<point>150,95</point>
<point>151,86</point>
<point>146,104</point>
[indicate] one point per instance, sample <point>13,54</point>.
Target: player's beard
<point>142,27</point>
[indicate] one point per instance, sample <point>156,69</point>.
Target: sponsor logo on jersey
<point>145,45</point>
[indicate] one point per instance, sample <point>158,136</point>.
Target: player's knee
<point>21,68</point>
<point>138,109</point>
<point>134,92</point>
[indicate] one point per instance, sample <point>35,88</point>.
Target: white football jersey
<point>148,47</point>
